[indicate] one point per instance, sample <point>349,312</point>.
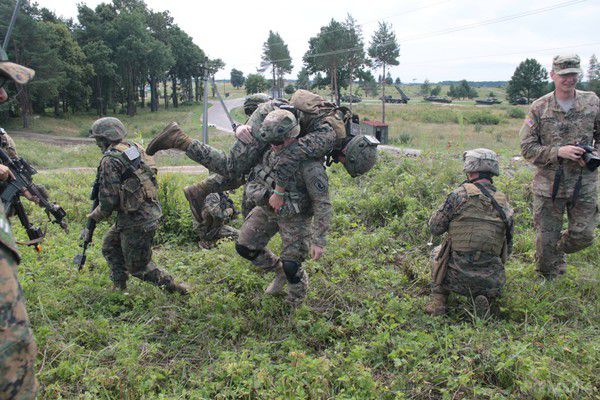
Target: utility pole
<point>205,73</point>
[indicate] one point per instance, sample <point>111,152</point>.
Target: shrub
<point>515,112</point>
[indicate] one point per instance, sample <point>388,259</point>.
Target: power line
<point>452,29</point>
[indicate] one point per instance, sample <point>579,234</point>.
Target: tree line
<point>105,61</point>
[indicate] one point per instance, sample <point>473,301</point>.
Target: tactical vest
<point>295,201</point>
<point>138,183</point>
<point>478,227</point>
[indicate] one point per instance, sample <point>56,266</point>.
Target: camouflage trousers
<point>472,274</point>
<point>552,243</point>
<point>129,251</point>
<point>262,224</point>
<point>17,347</point>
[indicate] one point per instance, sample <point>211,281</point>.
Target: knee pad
<point>291,269</point>
<point>247,253</point>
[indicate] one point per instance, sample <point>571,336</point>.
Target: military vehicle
<point>438,99</point>
<point>351,98</point>
<point>520,100</point>
<point>402,100</point>
<point>488,101</point>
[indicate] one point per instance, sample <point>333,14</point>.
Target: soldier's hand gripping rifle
<point>23,182</point>
<point>90,227</point>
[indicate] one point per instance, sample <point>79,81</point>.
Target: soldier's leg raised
<point>295,238</point>
<point>256,232</point>
<point>17,347</point>
<point>583,219</point>
<point>111,250</point>
<point>172,137</point>
<point>136,245</point>
<point>548,218</point>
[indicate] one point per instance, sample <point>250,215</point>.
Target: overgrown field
<point>362,333</point>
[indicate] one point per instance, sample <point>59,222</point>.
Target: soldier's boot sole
<point>482,306</point>
<point>436,305</point>
<point>172,137</point>
<point>195,195</point>
<point>297,291</point>
<point>277,285</point>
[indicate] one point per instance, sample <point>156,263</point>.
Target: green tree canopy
<point>256,83</point>
<point>530,80</point>
<point>276,56</point>
<point>237,78</point>
<point>384,50</point>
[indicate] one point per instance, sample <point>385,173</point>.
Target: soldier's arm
<point>314,145</point>
<point>531,144</point>
<point>440,220</point>
<point>109,188</point>
<point>317,185</point>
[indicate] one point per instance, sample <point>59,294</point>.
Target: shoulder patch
<point>529,121</point>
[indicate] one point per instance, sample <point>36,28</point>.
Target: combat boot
<point>297,291</point>
<point>120,286</point>
<point>172,137</point>
<point>482,306</point>
<point>437,304</point>
<point>278,283</point>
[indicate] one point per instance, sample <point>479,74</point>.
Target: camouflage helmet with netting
<point>481,160</point>
<point>252,102</point>
<point>360,154</point>
<point>109,128</point>
<point>278,126</point>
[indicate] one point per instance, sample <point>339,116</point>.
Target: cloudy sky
<point>439,39</point>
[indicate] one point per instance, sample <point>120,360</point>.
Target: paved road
<point>217,115</point>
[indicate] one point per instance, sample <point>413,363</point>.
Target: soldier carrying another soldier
<point>479,223</point>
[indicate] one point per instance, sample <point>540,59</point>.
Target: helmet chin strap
<point>480,176</point>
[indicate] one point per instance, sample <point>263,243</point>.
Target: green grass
<point>362,333</point>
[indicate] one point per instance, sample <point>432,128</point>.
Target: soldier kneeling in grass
<point>479,222</point>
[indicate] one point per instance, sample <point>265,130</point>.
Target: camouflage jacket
<point>309,194</point>
<point>546,128</point>
<point>317,139</point>
<point>455,204</point>
<point>114,195</point>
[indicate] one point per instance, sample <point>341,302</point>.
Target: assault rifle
<point>14,189</point>
<point>90,227</point>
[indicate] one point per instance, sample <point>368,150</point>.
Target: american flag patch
<point>529,121</point>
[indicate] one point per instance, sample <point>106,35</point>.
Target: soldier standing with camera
<point>561,138</point>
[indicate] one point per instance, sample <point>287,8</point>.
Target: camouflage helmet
<point>109,128</point>
<point>278,126</point>
<point>360,155</point>
<point>481,160</point>
<point>252,102</point>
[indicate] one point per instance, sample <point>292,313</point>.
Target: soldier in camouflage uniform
<point>302,221</point>
<point>17,347</point>
<point>218,210</point>
<point>127,185</point>
<point>554,124</point>
<point>471,259</point>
